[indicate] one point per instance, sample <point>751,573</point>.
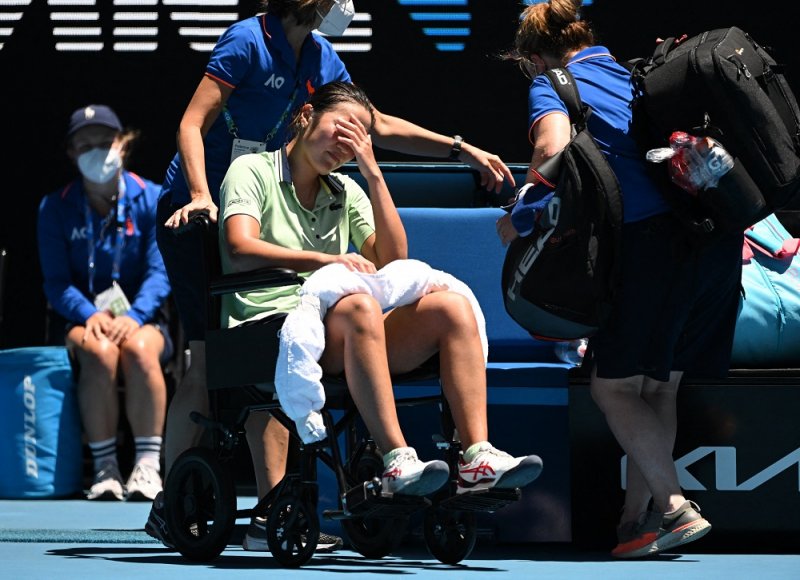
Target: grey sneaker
<point>156,525</point>
<point>255,540</point>
<point>407,475</point>
<point>107,485</point>
<point>656,532</point>
<point>682,526</point>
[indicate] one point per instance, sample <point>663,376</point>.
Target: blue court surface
<point>65,539</point>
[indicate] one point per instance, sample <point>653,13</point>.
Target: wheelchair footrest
<point>483,500</point>
<point>368,501</point>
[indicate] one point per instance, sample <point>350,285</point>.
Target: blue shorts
<point>184,259</point>
<point>676,307</point>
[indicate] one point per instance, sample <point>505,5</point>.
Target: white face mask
<point>338,18</point>
<point>100,165</point>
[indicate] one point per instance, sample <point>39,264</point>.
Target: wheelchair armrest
<point>239,281</point>
<point>253,280</point>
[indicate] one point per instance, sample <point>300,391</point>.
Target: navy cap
<point>93,115</point>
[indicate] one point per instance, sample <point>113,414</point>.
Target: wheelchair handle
<point>198,222</point>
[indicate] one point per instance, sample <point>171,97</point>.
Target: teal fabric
<point>768,325</point>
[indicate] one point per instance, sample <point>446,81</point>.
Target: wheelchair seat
<point>200,497</point>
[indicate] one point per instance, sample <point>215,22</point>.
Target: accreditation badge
<point>113,300</point>
<point>244,146</point>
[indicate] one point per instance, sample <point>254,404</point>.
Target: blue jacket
<point>605,86</point>
<point>253,57</point>
<point>64,252</point>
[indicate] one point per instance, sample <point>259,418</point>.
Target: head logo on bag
<point>559,282</point>
<point>533,250</point>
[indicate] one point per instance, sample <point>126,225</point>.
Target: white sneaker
<point>491,467</point>
<point>144,483</point>
<point>107,484</point>
<point>405,474</point>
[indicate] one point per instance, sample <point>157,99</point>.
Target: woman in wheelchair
<point>278,209</point>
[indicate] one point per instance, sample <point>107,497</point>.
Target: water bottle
<point>694,162</point>
<point>572,351</point>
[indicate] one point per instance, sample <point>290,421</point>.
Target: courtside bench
<point>438,184</point>
<point>527,385</point>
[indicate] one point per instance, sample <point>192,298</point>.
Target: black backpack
<point>559,282</point>
<point>724,85</point>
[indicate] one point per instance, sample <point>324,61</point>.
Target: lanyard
<point>232,129</point>
<point>119,214</point>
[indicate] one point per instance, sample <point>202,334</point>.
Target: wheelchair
<point>200,494</point>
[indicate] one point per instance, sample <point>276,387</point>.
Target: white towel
<point>298,374</point>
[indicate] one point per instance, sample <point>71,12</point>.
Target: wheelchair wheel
<point>375,537</point>
<point>372,537</point>
<point>292,531</point>
<point>200,505</point>
<point>450,535</point>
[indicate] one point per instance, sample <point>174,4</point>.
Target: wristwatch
<point>455,151</point>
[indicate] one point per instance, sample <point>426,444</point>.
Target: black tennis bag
<point>559,282</point>
<point>722,84</point>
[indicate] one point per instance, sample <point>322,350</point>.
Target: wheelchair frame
<point>200,495</point>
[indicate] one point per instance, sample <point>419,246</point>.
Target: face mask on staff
<point>338,18</point>
<point>100,165</point>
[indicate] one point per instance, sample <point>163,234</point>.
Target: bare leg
<point>641,434</point>
<point>355,342</point>
<point>190,395</point>
<point>662,398</point>
<point>444,322</point>
<point>97,384</point>
<point>145,388</point>
<point>268,441</point>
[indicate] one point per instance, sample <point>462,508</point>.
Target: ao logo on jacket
<point>275,82</point>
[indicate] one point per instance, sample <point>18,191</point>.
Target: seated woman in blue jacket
<point>104,275</point>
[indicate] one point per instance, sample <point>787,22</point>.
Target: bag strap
<point>567,90</point>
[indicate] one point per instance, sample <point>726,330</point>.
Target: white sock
<point>387,459</point>
<point>474,449</point>
<point>103,452</point>
<point>148,451</point>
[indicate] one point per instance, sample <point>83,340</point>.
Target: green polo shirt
<point>260,185</point>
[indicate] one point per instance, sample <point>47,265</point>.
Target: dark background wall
<point>470,92</point>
